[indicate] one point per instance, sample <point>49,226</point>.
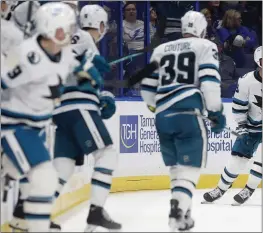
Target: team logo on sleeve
<point>33,57</point>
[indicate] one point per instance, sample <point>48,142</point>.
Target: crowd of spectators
<point>234,26</point>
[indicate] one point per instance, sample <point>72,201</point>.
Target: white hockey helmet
<point>194,23</point>
<point>55,16</point>
<point>91,16</point>
<point>74,5</point>
<point>258,56</point>
<point>9,7</point>
<point>20,14</point>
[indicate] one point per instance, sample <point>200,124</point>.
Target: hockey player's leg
<point>242,152</point>
<point>29,156</point>
<point>38,206</point>
<point>105,164</point>
<point>183,183</point>
<point>254,179</point>
<point>93,137</point>
<point>230,173</point>
<point>18,221</point>
<point>64,163</point>
<point>184,150</point>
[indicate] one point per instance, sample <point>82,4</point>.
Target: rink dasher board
<point>140,165</point>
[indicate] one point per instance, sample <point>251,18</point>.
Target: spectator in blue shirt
<point>235,37</point>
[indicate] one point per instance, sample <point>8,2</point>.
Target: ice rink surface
<point>147,211</point>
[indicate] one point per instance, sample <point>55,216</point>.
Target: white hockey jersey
<point>247,101</point>
<point>188,69</point>
<point>10,36</point>
<point>82,42</point>
<point>83,96</point>
<point>34,81</point>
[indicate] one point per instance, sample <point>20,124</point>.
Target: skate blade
<point>236,204</point>
<point>54,230</point>
<point>94,228</point>
<point>206,202</point>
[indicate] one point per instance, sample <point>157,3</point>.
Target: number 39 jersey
<point>188,69</point>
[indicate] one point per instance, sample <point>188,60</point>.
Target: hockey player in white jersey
<point>10,34</point>
<point>247,110</point>
<point>186,84</point>
<point>34,73</point>
<point>79,120</point>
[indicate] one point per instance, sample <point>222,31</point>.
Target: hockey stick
<point>204,118</point>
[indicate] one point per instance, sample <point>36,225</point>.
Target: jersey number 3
<point>185,67</point>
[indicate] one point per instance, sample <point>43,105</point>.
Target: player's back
<point>183,66</point>
<point>82,42</point>
<point>10,35</point>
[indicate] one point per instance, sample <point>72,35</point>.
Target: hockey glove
<point>107,103</point>
<point>101,64</point>
<point>86,70</point>
<point>218,121</point>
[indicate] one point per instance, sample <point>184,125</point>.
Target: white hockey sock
<point>231,171</point>
<point>105,164</point>
<point>100,185</point>
<point>37,213</point>
<point>24,186</point>
<point>37,207</point>
<point>183,183</point>
<point>65,168</point>
<point>255,175</point>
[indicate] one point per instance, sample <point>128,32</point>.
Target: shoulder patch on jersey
<point>33,57</point>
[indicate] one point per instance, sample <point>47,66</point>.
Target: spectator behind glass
<point>211,33</point>
<point>235,37</point>
<point>133,29</point>
<point>227,70</point>
<point>153,20</point>
<point>216,13</point>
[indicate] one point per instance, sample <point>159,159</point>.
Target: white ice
<point>147,211</point>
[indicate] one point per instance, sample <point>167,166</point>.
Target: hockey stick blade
<point>141,74</point>
<point>204,118</point>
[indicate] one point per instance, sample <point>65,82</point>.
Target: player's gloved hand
<point>218,121</point>
<point>107,103</point>
<point>239,41</point>
<point>86,70</point>
<point>101,64</point>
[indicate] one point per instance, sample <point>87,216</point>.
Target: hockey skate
<point>54,227</point>
<point>213,195</point>
<point>18,223</point>
<point>98,217</point>
<point>243,196</point>
<point>178,221</point>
